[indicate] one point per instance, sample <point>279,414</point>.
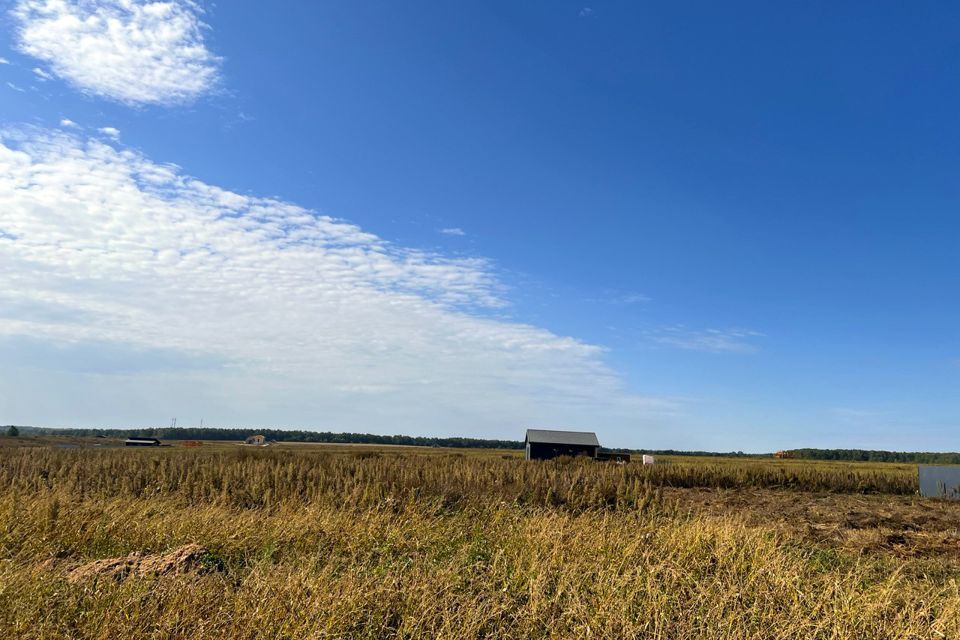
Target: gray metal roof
<point>545,436</point>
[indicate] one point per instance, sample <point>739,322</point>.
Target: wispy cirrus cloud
<point>453,231</point>
<point>300,318</point>
<point>136,52</point>
<point>4,61</point>
<point>707,340</point>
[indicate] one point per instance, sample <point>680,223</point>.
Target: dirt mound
<point>181,560</point>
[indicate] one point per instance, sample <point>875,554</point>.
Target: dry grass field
<point>300,541</point>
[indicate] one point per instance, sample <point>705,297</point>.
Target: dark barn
<point>542,444</point>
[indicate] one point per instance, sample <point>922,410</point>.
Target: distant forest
<point>329,437</point>
<point>864,455</point>
<point>279,435</point>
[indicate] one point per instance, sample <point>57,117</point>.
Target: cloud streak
<point>135,52</point>
<point>303,314</point>
<point>706,340</point>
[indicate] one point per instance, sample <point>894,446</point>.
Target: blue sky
<point>680,225</point>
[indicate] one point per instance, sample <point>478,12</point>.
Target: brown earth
<point>905,526</point>
<point>181,560</point>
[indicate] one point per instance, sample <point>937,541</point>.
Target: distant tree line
<point>278,435</point>
<point>709,454</point>
<point>329,437</point>
<point>865,455</point>
<point>282,435</point>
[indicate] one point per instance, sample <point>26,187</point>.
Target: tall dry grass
<point>321,545</point>
<point>256,478</point>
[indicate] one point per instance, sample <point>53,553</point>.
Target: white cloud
<point>66,122</point>
<point>709,340</point>
<point>4,61</point>
<point>453,231</point>
<point>133,51</point>
<point>110,131</point>
<point>15,87</point>
<point>42,75</point>
<point>301,319</point>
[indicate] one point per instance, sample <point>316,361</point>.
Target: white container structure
<point>938,481</point>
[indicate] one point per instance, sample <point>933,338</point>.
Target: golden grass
<point>319,544</point>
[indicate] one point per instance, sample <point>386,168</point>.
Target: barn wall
<point>542,451</point>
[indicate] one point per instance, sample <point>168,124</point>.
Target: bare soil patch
<point>185,559</point>
<point>906,526</point>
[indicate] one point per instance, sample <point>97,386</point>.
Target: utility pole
<point>173,423</point>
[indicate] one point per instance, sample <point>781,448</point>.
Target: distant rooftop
<point>546,436</point>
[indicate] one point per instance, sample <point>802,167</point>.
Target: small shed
<point>544,444</point>
<point>256,441</point>
<point>135,441</point>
